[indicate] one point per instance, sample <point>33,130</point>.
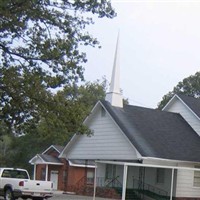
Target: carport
<point>125,170</point>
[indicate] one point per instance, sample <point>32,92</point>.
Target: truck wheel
<point>8,194</point>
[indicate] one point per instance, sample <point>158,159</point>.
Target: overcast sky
<point>159,46</point>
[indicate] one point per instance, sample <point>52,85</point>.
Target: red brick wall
<point>39,171</point>
<point>75,174</point>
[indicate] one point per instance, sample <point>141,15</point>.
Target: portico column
<point>172,184</point>
<point>47,171</point>
<point>124,182</point>
<point>95,181</point>
<point>34,172</point>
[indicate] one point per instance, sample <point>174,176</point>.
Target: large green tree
<point>189,86</point>
<point>40,49</point>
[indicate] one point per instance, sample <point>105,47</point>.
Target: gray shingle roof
<point>193,103</point>
<point>156,133</point>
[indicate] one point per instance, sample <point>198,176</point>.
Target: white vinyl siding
<point>178,107</point>
<point>196,181</point>
<point>185,183</point>
<point>107,141</point>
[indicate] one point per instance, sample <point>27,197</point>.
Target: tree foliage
<point>64,115</point>
<point>60,117</point>
<point>189,86</point>
<point>39,50</point>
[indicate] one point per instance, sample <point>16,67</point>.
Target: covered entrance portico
<point>44,165</point>
<point>145,187</point>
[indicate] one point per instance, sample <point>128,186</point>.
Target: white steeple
<point>114,96</point>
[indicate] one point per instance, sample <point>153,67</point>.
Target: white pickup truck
<point>15,183</point>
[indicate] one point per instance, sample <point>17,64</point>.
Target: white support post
<point>47,171</point>
<point>34,172</point>
<point>124,182</point>
<point>172,184</point>
<point>95,181</point>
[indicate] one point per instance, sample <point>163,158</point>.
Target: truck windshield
<point>8,173</point>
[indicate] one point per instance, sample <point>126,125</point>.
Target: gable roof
<point>156,133</point>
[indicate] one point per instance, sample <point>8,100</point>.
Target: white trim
<point>80,165</point>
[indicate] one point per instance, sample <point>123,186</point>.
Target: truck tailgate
<point>37,186</point>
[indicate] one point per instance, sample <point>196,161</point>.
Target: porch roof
<point>156,133</point>
<point>45,159</point>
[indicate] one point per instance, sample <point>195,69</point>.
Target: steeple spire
<point>114,96</point>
